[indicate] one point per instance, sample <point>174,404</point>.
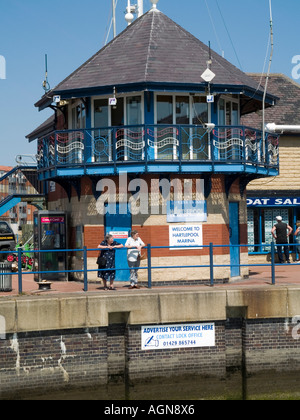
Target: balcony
<point>140,149</point>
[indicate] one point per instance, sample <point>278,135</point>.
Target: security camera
<point>209,126</point>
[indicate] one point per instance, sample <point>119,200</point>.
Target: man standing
<point>281,231</point>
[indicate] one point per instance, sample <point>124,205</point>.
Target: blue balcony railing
<point>147,145</point>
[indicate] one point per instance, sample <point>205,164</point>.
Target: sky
<point>71,31</point>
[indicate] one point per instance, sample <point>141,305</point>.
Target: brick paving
<point>286,275</point>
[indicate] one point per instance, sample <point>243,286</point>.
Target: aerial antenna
<point>46,85</point>
<point>114,18</point>
<point>269,71</point>
<point>209,63</point>
<point>208,75</point>
<point>140,8</point>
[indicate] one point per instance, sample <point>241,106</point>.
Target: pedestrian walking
<point>108,250</point>
<point>281,231</point>
<point>134,245</point>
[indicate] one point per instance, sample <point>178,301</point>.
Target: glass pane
<point>235,114</point>
<point>228,113</point>
<point>182,110</point>
<point>200,110</point>
<point>222,112</point>
<point>78,116</point>
<point>164,110</point>
<point>100,113</point>
<point>134,110</point>
<point>73,118</point>
<point>82,116</point>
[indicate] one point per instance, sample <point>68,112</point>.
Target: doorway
<point>119,225</point>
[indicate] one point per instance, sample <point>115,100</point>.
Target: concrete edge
<point>94,310</point>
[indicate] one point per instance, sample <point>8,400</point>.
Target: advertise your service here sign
<point>186,236</point>
<point>178,336</point>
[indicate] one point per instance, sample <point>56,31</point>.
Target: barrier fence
<point>149,267</point>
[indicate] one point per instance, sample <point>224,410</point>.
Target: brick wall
<point>209,361</point>
<point>50,360</point>
<point>154,229</point>
<point>42,361</point>
<point>269,344</point>
<point>288,178</point>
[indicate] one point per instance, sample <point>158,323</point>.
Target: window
<point>182,110</point>
<point>128,111</point>
<point>4,228</point>
<point>229,142</point>
<point>199,110</point>
<point>260,224</point>
<point>78,116</point>
<point>164,112</point>
<point>222,112</point>
<point>134,110</point>
<point>101,113</point>
<point>229,111</point>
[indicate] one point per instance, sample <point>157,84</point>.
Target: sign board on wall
<point>186,236</point>
<point>119,234</point>
<point>178,336</point>
<point>276,202</point>
<point>186,211</point>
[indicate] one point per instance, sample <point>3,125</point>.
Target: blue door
<point>234,236</point>
<point>120,226</point>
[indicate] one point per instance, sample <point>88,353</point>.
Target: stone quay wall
<point>55,342</point>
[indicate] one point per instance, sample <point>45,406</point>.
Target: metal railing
<point>210,250</point>
<point>147,144</point>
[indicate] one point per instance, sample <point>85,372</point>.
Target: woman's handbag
<point>101,262</point>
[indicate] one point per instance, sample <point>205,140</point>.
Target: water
<point>264,386</point>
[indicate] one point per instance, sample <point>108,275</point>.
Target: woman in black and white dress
<point>108,250</point>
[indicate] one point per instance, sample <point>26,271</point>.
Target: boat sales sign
<point>160,337</point>
<point>275,202</point>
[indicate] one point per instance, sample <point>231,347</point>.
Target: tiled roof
<point>287,109</point>
<point>5,168</point>
<point>153,49</point>
<point>45,128</point>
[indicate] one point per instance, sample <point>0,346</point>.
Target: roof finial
<point>154,3</point>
